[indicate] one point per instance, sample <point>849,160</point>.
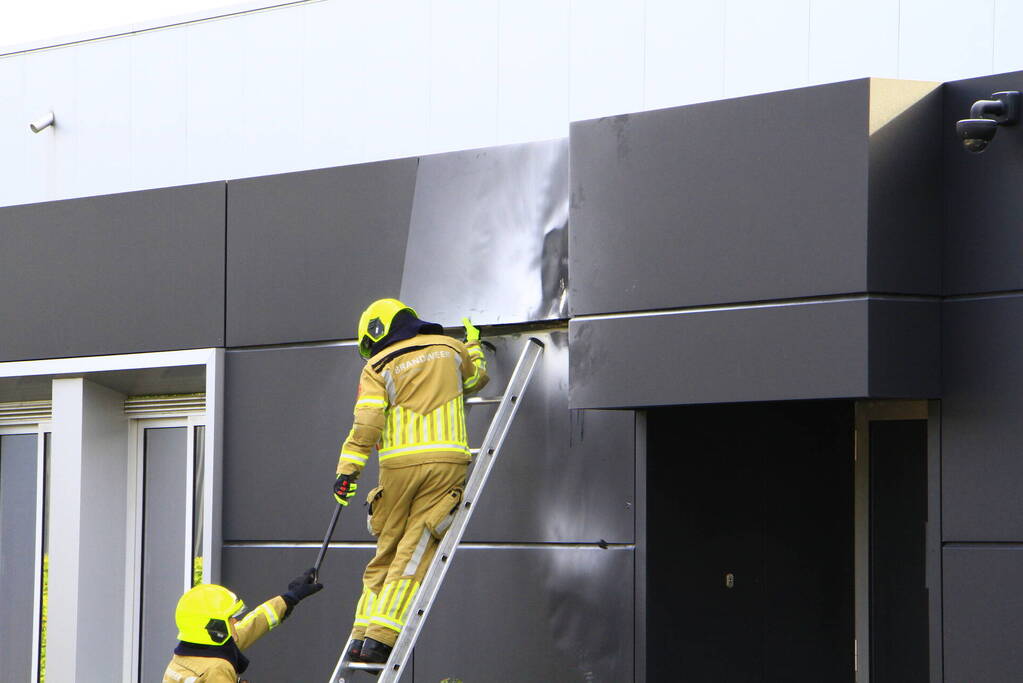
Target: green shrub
<point>42,619</point>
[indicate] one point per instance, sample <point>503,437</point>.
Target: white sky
<point>24,21</point>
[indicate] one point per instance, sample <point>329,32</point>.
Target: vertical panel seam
<point>224,317</point>
<point>644,47</point>
<point>994,34</point>
<point>898,43</point>
<point>940,552</point>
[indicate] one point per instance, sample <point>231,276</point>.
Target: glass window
<point>198,463</point>
<point>19,463</point>
<point>164,544</point>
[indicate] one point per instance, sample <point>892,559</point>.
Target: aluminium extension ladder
<point>484,460</point>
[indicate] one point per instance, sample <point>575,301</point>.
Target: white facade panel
<point>853,40</point>
<point>272,85</point>
<point>606,58</point>
<point>103,108</point>
<point>396,60</point>
<point>51,155</point>
<point>215,67</point>
<point>463,74</point>
<point>532,70</point>
<point>1008,48</point>
<point>685,42</point>
<point>14,132</point>
<point>335,82</point>
<point>339,82</point>
<point>766,45</point>
<point>159,109</point>
<point>944,40</point>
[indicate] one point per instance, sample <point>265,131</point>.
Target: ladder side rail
<point>502,421</point>
<point>434,578</point>
<point>335,676</point>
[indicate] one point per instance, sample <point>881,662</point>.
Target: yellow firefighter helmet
<point>204,612</point>
<point>375,323</point>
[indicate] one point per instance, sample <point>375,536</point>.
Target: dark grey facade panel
<point>984,208</point>
<point>983,600</point>
<point>288,410</point>
<point>489,235</point>
<point>804,351</point>
<point>826,349</point>
<point>980,417</point>
<point>532,614</point>
<point>306,646</point>
<point>121,273</point>
<point>905,349</point>
<point>579,464</point>
<point>308,251</point>
<point>747,199</point>
<point>905,202</point>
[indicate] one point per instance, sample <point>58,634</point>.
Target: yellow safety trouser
<point>410,511</point>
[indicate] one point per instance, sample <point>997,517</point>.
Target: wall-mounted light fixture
<point>43,122</point>
<point>979,130</point>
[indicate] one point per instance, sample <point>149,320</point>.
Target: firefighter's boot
<point>375,652</point>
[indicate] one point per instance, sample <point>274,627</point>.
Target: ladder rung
<point>480,400</point>
<point>474,451</point>
<point>362,666</point>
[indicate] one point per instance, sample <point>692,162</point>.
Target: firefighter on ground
<point>410,407</point>
<point>213,632</point>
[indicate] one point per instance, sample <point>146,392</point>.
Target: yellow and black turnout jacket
<point>410,405</point>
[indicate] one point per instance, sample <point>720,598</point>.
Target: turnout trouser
<point>409,513</point>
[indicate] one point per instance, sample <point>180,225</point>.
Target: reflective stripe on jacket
<point>410,404</point>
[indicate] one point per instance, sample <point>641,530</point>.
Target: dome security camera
<point>977,132</point>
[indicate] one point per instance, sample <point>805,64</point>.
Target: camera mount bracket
<point>1003,108</point>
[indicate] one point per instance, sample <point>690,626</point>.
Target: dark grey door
<point>898,519</point>
<point>750,542</point>
<point>704,558</point>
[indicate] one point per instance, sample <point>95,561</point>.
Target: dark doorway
<point>898,518</point>
<point>750,543</point>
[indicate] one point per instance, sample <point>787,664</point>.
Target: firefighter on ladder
<point>410,406</point>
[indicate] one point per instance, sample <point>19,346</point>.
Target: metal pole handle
<point>326,542</point>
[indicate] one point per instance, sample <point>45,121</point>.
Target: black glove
<point>301,587</point>
<point>344,488</point>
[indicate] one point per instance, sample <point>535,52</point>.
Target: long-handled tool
<point>326,542</point>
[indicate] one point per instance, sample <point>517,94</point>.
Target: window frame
<point>134,528</point>
<point>64,640</point>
